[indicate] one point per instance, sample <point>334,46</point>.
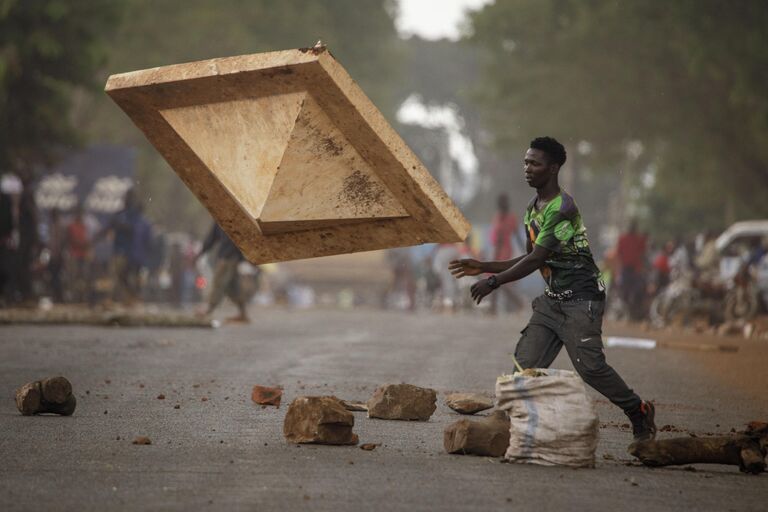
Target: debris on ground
<point>51,395</point>
<point>368,446</point>
<point>402,402</point>
<point>141,440</point>
<point>264,395</point>
<point>487,437</point>
<point>746,449</point>
<point>123,318</point>
<point>319,419</point>
<point>672,428</point>
<point>528,372</point>
<point>355,406</point>
<point>468,403</point>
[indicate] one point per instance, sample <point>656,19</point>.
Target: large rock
<point>319,419</point>
<point>487,437</point>
<point>52,395</point>
<point>468,403</point>
<point>402,402</point>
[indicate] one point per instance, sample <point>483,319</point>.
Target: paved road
<point>225,453</point>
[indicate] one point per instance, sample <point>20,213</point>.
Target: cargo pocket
<point>589,352</point>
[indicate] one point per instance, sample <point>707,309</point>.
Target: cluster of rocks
<point>328,420</point>
<point>487,437</point>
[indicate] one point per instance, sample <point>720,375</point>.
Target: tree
<point>684,80</point>
<point>360,34</point>
<point>48,49</point>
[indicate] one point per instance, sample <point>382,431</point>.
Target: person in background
<point>7,228</point>
<point>758,252</point>
<point>708,260</point>
<point>631,251</point>
<point>78,255</point>
<point>226,280</point>
<point>661,268</point>
<point>130,249</point>
<point>403,280</point>
<point>447,298</point>
<point>28,250</point>
<point>679,260</point>
<point>503,229</point>
<point>56,242</point>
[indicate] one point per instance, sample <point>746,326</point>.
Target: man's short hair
<point>554,150</point>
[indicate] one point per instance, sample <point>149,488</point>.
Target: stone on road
<point>52,395</point>
<point>468,403</point>
<point>488,436</point>
<point>264,395</point>
<point>319,419</point>
<point>402,402</point>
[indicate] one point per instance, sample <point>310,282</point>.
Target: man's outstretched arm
<point>470,267</point>
<point>527,265</point>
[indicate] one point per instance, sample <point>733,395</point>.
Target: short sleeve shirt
<point>570,271</point>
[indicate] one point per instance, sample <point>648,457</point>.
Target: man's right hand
<point>465,267</point>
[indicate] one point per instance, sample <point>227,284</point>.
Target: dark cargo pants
<point>577,324</point>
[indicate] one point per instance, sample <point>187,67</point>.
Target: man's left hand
<point>479,290</point>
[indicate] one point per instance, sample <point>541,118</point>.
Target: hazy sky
<point>434,19</point>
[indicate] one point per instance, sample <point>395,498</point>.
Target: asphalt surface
<point>226,453</point>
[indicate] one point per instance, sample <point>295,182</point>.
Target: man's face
<point>537,168</point>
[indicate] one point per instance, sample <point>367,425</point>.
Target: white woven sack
<point>552,420</point>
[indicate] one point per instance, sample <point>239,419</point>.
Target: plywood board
<point>289,155</point>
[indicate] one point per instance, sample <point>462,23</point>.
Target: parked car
<point>737,244</point>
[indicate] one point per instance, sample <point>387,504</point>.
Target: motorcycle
<point>689,295</point>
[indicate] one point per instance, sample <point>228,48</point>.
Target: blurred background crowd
<point>123,259</point>
<point>663,112</point>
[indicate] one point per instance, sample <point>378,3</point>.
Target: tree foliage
<point>48,50</point>
<point>360,34</point>
<point>686,79</point>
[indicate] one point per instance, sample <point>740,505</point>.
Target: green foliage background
<point>48,52</point>
<point>687,79</point>
<point>157,33</point>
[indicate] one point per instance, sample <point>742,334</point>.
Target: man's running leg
<point>581,334</point>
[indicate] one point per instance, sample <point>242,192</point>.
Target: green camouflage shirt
<point>570,271</point>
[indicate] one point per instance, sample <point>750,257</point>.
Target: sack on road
<point>552,420</point>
